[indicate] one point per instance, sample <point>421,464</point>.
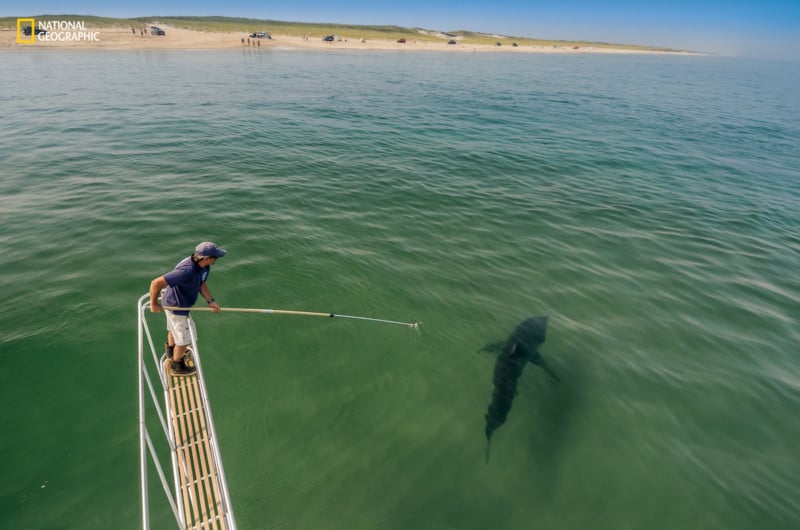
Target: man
<point>183,284</point>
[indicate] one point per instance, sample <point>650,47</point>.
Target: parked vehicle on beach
<point>328,38</point>
<point>260,35</point>
<point>155,30</point>
<point>401,41</point>
<point>451,41</point>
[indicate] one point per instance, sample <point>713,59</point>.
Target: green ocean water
<point>647,205</point>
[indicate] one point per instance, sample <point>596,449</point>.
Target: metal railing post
<point>142,426</point>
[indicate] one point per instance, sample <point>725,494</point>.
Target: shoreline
<point>118,38</point>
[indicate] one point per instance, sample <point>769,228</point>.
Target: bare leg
<point>179,352</point>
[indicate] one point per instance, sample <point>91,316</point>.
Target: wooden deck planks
<point>199,479</point>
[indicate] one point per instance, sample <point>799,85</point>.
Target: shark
<point>519,349</point>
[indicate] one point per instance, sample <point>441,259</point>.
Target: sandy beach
<point>119,38</point>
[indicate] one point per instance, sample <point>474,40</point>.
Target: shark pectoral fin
<point>492,347</point>
<point>538,360</point>
<point>552,375</point>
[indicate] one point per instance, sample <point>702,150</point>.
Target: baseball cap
<point>208,249</point>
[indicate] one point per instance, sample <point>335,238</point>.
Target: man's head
<point>208,251</point>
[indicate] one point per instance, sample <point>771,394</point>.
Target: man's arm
<point>205,293</point>
<point>155,288</point>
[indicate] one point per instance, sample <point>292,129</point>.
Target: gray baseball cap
<point>208,249</point>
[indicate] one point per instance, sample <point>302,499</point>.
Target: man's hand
<point>214,307</point>
<point>155,307</point>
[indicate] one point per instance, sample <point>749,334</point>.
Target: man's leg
<point>169,345</point>
<point>180,336</point>
<point>179,353</point>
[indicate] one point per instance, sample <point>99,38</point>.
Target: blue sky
<point>743,28</point>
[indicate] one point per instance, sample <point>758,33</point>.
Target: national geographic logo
<point>54,31</point>
<point>21,30</point>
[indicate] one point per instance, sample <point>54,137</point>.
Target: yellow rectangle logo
<point>32,38</point>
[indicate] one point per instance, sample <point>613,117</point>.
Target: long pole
<point>414,324</point>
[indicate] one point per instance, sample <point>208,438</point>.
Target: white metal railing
<point>145,442</point>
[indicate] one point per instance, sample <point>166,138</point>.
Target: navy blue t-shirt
<point>184,284</point>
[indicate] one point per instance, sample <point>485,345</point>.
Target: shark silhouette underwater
<point>521,348</point>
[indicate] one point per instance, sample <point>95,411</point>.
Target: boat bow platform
<point>199,495</point>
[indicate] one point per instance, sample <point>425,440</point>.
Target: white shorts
<point>180,327</point>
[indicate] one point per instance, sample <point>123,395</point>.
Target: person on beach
<point>183,284</point>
